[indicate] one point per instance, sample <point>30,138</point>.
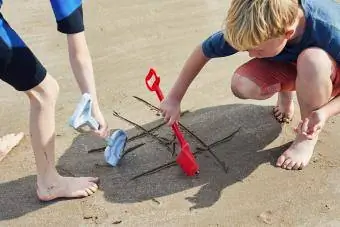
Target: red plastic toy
<point>185,159</point>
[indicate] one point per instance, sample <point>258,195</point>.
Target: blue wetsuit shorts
<point>18,65</point>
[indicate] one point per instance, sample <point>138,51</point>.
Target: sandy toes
<point>68,187</point>
<point>298,155</point>
<point>284,109</point>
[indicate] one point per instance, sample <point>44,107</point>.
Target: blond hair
<point>252,22</point>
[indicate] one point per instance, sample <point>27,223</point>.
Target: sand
<point>125,39</point>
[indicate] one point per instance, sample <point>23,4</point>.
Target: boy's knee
<point>244,88</point>
<point>314,61</point>
<point>46,92</point>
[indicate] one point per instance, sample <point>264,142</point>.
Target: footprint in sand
<point>94,213</point>
<point>266,217</point>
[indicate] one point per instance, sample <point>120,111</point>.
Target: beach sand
<point>126,38</point>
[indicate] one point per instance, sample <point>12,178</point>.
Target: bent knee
<point>314,61</point>
<point>46,92</point>
<point>244,88</point>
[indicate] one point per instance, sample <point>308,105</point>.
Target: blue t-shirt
<point>322,30</point>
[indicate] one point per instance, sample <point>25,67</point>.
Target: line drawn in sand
<point>169,144</point>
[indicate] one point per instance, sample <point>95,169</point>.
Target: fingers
<point>169,118</point>
<point>317,128</point>
<point>304,127</point>
<point>298,129</point>
<point>172,120</point>
<point>102,132</point>
<point>307,128</point>
<point>314,133</point>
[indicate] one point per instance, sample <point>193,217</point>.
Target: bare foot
<point>8,142</point>
<point>284,110</point>
<point>297,156</point>
<point>68,187</point>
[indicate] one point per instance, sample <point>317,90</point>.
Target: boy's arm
<point>214,46</point>
<point>332,108</point>
<point>69,18</point>
<point>313,124</point>
<point>81,64</point>
<point>191,68</point>
<point>170,106</point>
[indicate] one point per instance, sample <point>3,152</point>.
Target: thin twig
<point>201,148</point>
<point>193,134</point>
<point>173,147</point>
<point>100,149</point>
<point>132,149</point>
<point>153,107</point>
<point>155,170</point>
<point>143,129</point>
<point>222,164</point>
<point>226,139</point>
<point>153,129</point>
<point>147,103</point>
<point>143,133</point>
<point>158,168</point>
<point>103,148</point>
<point>165,140</point>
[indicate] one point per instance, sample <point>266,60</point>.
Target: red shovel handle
<point>185,158</point>
<point>152,81</point>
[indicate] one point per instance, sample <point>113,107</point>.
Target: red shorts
<point>274,76</point>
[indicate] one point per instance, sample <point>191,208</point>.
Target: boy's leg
<point>260,79</point>
<point>21,69</point>
<point>316,70</point>
<point>42,128</point>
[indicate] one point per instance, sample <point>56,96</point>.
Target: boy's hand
<point>312,125</point>
<point>103,130</point>
<point>170,109</point>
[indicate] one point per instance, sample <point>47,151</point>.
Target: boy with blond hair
<point>295,46</point>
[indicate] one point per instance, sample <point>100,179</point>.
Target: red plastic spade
<point>185,159</point>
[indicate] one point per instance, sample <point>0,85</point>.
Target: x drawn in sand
<point>170,144</point>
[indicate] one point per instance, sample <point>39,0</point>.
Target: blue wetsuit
<point>18,65</point>
<point>69,15</point>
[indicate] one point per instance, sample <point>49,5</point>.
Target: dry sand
<point>125,39</point>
